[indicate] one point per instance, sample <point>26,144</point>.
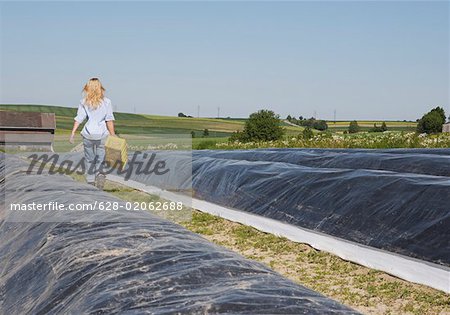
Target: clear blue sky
<point>367,60</point>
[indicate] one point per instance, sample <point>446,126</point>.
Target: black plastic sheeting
<point>436,151</point>
<point>399,211</point>
<point>417,161</point>
<point>395,200</point>
<point>139,265</point>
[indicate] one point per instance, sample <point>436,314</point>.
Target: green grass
<point>133,126</point>
<point>221,129</point>
<point>127,123</point>
<point>207,143</point>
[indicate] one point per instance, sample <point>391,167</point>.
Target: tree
<point>193,134</point>
<point>441,113</point>
<point>288,118</point>
<point>263,125</point>
<point>384,127</point>
<point>432,121</point>
<point>353,127</point>
<point>181,115</point>
<point>205,133</point>
<point>307,122</point>
<point>313,123</point>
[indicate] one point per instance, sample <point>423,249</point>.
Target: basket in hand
<point>116,154</point>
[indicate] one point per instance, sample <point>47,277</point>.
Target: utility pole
<point>134,108</point>
<point>198,111</point>
<point>335,117</point>
<point>315,115</point>
<point>218,112</point>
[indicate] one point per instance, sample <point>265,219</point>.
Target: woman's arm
<point>110,119</point>
<point>110,126</point>
<point>75,127</point>
<point>79,118</point>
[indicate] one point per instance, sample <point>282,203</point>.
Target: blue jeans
<point>94,155</point>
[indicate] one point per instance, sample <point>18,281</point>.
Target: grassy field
<point>366,125</point>
<point>127,123</point>
<point>139,124</point>
<point>401,134</point>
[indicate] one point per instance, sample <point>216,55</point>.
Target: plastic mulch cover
<point>418,161</point>
<point>396,200</point>
<point>141,264</point>
<point>399,212</point>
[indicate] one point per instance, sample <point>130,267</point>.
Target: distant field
<point>127,123</point>
<point>367,124</point>
<point>140,124</point>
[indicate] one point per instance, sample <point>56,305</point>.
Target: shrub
<point>384,140</point>
<point>353,127</point>
<point>320,125</point>
<point>313,123</point>
<point>307,133</point>
<point>207,144</point>
<point>375,128</point>
<point>235,136</point>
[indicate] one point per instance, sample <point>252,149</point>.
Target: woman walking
<point>97,109</point>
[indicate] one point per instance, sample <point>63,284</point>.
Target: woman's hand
<point>72,135</point>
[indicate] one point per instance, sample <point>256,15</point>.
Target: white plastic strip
<point>404,267</point>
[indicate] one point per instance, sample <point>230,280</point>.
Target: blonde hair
<point>93,93</point>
